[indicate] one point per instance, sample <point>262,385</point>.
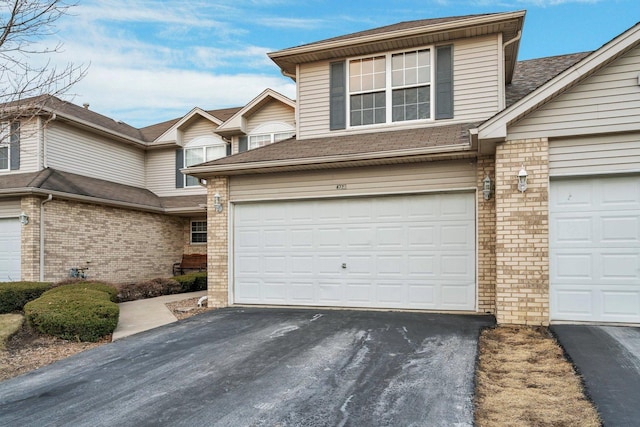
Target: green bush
<point>14,295</point>
<point>111,290</point>
<point>193,282</point>
<point>81,312</point>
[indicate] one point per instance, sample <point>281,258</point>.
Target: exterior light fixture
<point>522,180</point>
<point>217,205</point>
<point>24,218</point>
<point>486,187</point>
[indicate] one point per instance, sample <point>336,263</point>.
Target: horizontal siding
<point>313,102</point>
<point>161,175</point>
<point>395,179</point>
<point>29,150</point>
<point>74,150</point>
<point>596,154</point>
<point>608,101</point>
<point>475,78</point>
<point>200,127</point>
<point>9,208</point>
<point>274,111</point>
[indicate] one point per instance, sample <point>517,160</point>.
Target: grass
<point>9,325</point>
<point>523,379</point>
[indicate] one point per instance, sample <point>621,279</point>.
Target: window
<point>391,88</point>
<point>198,231</point>
<point>195,155</point>
<point>261,140</point>
<point>4,146</point>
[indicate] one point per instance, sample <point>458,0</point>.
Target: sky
<point>150,61</point>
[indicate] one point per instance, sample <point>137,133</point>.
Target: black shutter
<point>243,143</point>
<point>229,149</point>
<point>14,146</point>
<point>444,82</point>
<point>337,96</point>
<point>179,165</point>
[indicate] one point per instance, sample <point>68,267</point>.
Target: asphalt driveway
<point>608,359</point>
<point>271,367</point>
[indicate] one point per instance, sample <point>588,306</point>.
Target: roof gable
<point>236,124</point>
<point>495,129</point>
<point>171,134</point>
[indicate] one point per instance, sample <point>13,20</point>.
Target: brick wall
<point>218,243</point>
<point>486,239</point>
<point>118,245</point>
<point>30,239</point>
<point>522,230</point>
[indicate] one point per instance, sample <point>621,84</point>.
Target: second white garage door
<point>415,252</point>
<point>595,249</point>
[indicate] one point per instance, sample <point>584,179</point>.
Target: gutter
<point>42,203</point>
<point>378,155</point>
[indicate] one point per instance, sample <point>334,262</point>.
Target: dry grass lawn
<point>9,325</point>
<point>523,379</point>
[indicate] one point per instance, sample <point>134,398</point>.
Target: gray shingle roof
<point>290,149</point>
<point>70,183</point>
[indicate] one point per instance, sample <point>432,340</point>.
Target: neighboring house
<point>94,192</point>
<point>378,201</point>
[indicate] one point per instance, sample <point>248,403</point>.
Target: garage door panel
<point>595,249</point>
<point>455,296</point>
<point>10,231</point>
<point>397,252</point>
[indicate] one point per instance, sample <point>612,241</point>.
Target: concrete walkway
<point>141,315</point>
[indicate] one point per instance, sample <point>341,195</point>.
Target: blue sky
<point>151,61</point>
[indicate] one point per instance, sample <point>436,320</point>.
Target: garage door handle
<point>344,265</point>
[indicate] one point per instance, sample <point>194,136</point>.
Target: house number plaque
<point>341,187</point>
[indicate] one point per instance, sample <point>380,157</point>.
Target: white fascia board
<point>496,127</point>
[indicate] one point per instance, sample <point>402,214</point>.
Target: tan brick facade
<point>522,233</point>
<point>486,239</point>
<point>118,245</point>
<point>218,243</point>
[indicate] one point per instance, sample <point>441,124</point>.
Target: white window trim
<point>272,139</point>
<point>389,90</point>
<point>204,156</point>
<point>191,242</point>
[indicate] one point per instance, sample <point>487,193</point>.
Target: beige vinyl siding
<point>9,208</point>
<point>274,111</point>
<point>161,174</point>
<point>608,101</point>
<point>475,78</point>
<point>199,127</point>
<point>313,102</point>
<point>593,155</point>
<point>377,180</point>
<point>73,150</point>
<point>29,148</point>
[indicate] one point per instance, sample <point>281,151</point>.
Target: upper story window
<point>9,146</point>
<point>267,133</point>
<point>200,150</point>
<point>390,88</point>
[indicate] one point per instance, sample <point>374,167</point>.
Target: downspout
<point>515,39</point>
<point>48,199</point>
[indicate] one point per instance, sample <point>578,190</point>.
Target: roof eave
<point>345,160</point>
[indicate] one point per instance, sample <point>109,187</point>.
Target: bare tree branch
<point>25,87</point>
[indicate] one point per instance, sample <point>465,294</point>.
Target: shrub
<point>74,312</point>
<point>110,290</point>
<point>14,295</point>
<point>148,289</point>
<point>193,282</point>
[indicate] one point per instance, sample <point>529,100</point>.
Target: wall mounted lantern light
<point>522,180</point>
<point>486,187</point>
<point>24,218</point>
<point>217,205</point>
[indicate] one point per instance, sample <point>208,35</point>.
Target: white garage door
<point>385,252</point>
<point>595,249</point>
<point>9,249</point>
